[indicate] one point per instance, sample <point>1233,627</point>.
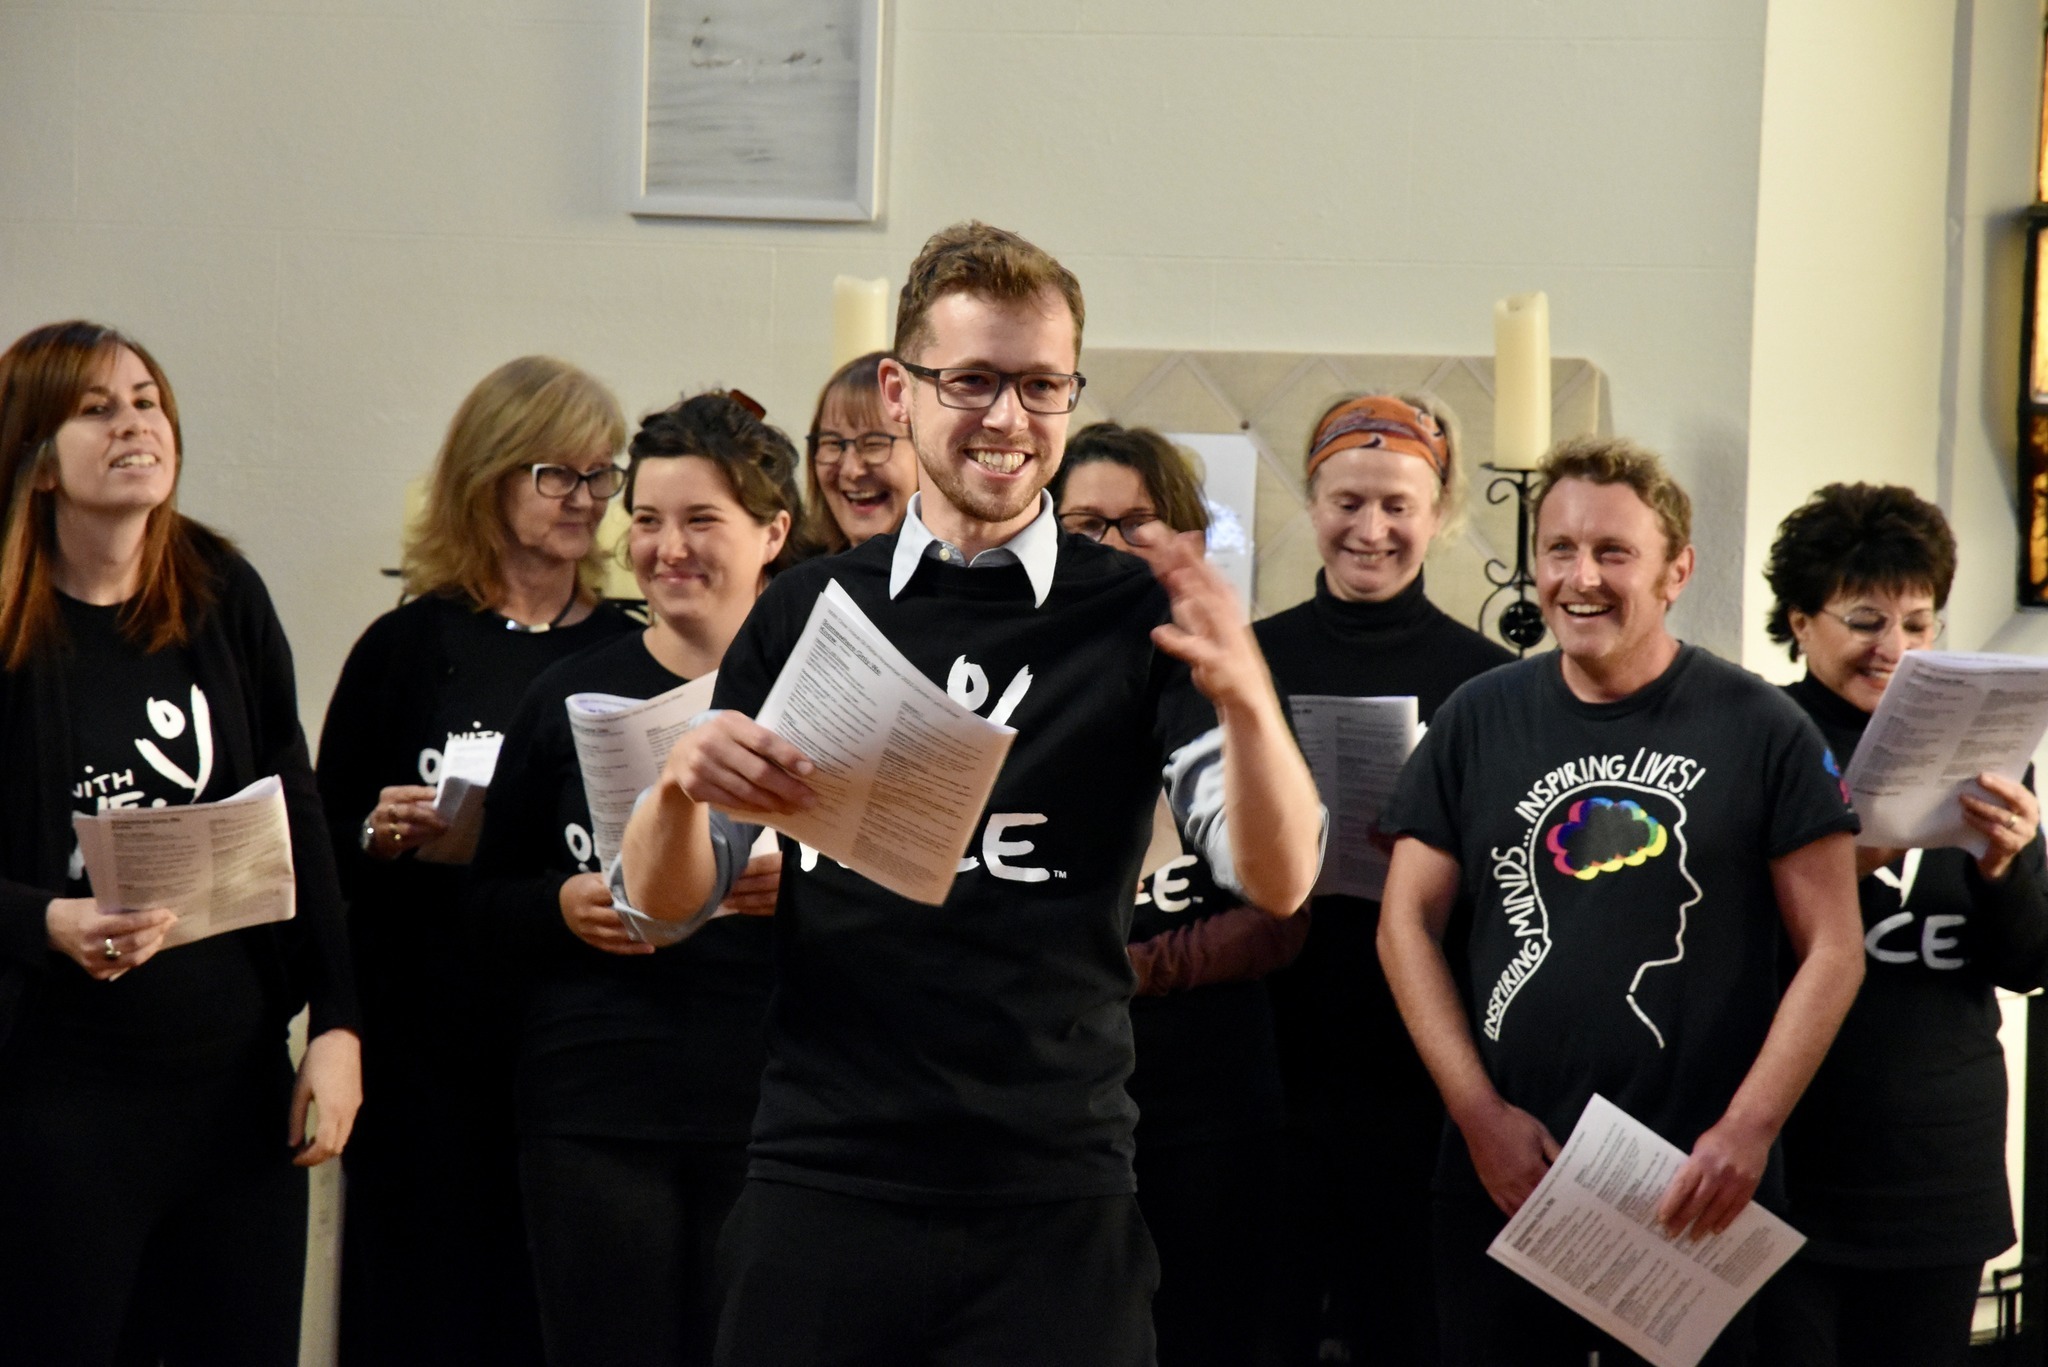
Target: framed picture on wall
<point>760,109</point>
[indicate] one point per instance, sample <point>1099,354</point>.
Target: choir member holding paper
<point>502,570</point>
<point>149,1119</point>
<point>638,1069</point>
<point>862,470</point>
<point>1207,1081</point>
<point>1384,481</point>
<point>1895,1159</point>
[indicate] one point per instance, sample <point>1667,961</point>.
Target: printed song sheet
<point>219,865</point>
<point>1588,1236</point>
<point>903,771</point>
<point>1945,718</point>
<point>1355,747</point>
<point>621,744</point>
<point>467,764</point>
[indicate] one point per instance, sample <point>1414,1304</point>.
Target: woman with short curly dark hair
<point>638,1068</point>
<point>1895,1159</point>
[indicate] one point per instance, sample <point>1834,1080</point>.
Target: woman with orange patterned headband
<point>1384,481</point>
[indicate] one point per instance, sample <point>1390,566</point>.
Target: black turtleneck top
<point>1343,1049</point>
<point>1895,1157</point>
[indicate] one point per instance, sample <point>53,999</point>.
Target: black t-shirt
<point>1625,932</point>
<point>976,1051</point>
<point>668,1046</point>
<point>1206,1064</point>
<point>1895,1156</point>
<point>142,736</point>
<point>1344,1050</point>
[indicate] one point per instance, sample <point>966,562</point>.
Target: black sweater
<point>1895,1157</point>
<point>667,1046</point>
<point>420,673</point>
<point>238,655</point>
<point>976,1052</point>
<point>1343,1047</point>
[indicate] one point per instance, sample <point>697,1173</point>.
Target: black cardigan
<point>241,659</point>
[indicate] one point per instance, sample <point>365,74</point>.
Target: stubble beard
<point>947,477</point>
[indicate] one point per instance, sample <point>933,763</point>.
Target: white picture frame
<point>760,109</point>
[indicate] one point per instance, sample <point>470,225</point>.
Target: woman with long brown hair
<point>502,571</point>
<point>862,470</point>
<point>152,1135</point>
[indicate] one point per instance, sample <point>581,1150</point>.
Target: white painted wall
<point>331,217</point>
<point>1850,264</point>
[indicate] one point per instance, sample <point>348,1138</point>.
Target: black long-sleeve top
<point>239,657</point>
<point>1343,1046</point>
<point>1895,1157</point>
<point>420,674</point>
<point>668,1046</point>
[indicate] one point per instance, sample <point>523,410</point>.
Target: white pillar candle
<point>1521,378</point>
<point>860,318</point>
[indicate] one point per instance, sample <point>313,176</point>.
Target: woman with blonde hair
<point>150,1123</point>
<point>1385,481</point>
<point>501,574</point>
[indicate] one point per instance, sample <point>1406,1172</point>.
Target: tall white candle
<point>860,318</point>
<point>1521,378</point>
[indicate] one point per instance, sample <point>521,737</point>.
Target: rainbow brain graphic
<point>1600,835</point>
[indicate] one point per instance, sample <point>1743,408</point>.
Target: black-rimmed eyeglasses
<point>559,481</point>
<point>1136,529</point>
<point>872,448</point>
<point>1039,391</point>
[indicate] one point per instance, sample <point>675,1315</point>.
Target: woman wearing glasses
<point>501,570</point>
<point>1207,1081</point>
<point>639,1069</point>
<point>1895,1158</point>
<point>1385,479</point>
<point>150,1209</point>
<point>861,471</point>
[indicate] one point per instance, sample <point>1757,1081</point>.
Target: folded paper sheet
<point>1588,1236</point>
<point>1355,747</point>
<point>220,865</point>
<point>903,771</point>
<point>1945,718</point>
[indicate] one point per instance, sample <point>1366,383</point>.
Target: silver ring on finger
<point>110,951</point>
<point>2008,821</point>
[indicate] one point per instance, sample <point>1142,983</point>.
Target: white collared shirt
<point>1036,547</point>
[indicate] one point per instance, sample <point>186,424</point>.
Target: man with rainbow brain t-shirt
<point>1636,823</point>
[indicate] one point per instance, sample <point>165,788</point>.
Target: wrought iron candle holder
<point>1521,621</point>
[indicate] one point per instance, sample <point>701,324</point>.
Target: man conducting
<point>940,1169</point>
<point>1634,823</point>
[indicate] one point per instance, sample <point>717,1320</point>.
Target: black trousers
<point>1211,1210</point>
<point>817,1279</point>
<point>433,1257</point>
<point>1815,1315</point>
<point>623,1234</point>
<point>145,1221</point>
<point>1356,1219</point>
<point>1490,1317</point>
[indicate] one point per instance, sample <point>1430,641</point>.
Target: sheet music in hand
<point>621,744</point>
<point>1945,717</point>
<point>903,771</point>
<point>219,865</point>
<point>1588,1236</point>
<point>1355,748</point>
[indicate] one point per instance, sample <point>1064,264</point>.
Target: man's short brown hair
<point>1617,460</point>
<point>992,263</point>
